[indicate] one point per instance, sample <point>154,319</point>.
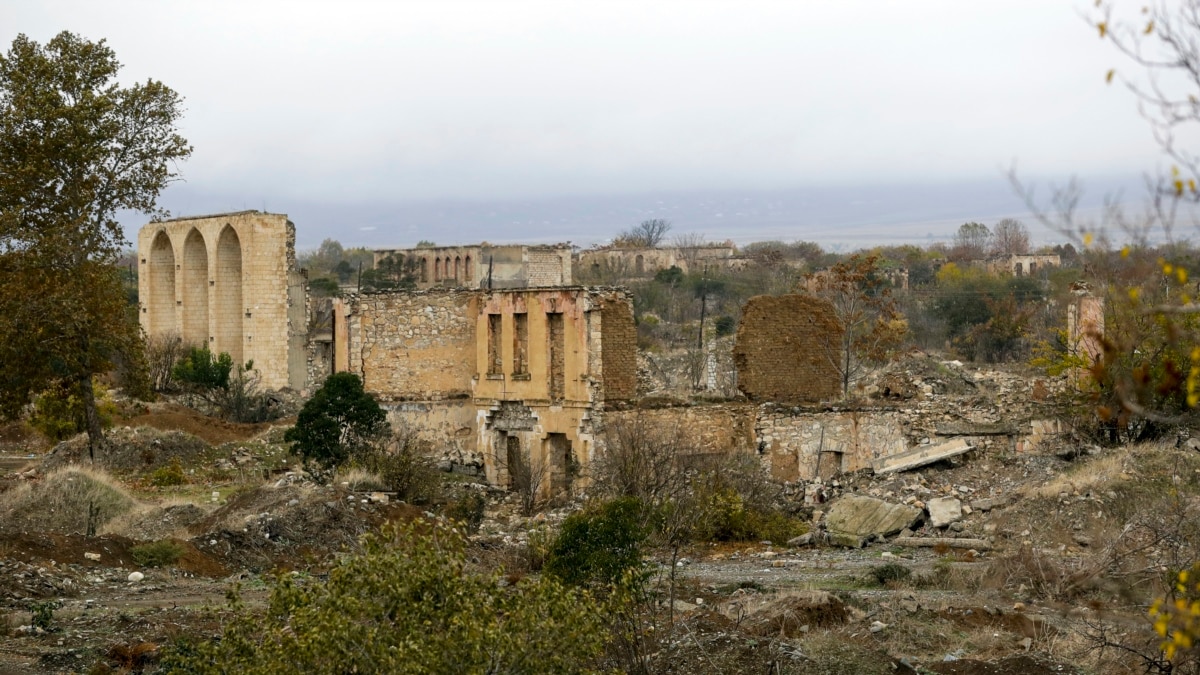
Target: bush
<point>405,604</point>
<point>157,554</point>
<point>171,474</point>
<point>163,353</point>
<point>202,370</point>
<point>890,573</point>
<point>468,510</point>
<point>58,412</point>
<point>597,546</point>
<point>241,401</point>
<point>341,420</point>
<point>404,466</point>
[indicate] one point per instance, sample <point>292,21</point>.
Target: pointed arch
<point>437,269</point>
<point>457,268</point>
<point>424,270</point>
<point>160,306</point>
<point>467,271</point>
<point>195,289</point>
<point>227,294</point>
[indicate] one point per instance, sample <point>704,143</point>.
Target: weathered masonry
<point>485,265</point>
<point>228,282</point>
<point>512,381</point>
<point>786,349</point>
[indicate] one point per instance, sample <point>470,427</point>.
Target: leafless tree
<point>689,245</point>
<point>163,351</point>
<point>971,242</point>
<point>1010,237</point>
<point>647,234</point>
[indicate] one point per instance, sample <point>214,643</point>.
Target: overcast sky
<point>388,122</point>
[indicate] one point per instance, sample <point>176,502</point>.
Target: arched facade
<point>195,290</point>
<point>162,318</point>
<point>228,282</point>
<point>227,295</point>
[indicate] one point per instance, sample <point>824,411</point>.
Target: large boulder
<point>852,519</point>
<point>943,511</point>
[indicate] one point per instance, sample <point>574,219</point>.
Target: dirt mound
<point>214,431</point>
<point>64,555</point>
<point>152,523</point>
<point>274,524</point>
<point>141,449</point>
<point>789,614</point>
<point>66,501</point>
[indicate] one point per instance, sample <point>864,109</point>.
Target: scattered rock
<point>136,577</point>
<point>943,511</point>
<point>853,518</point>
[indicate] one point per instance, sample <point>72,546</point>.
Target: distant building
<point>483,265</point>
<point>646,262</point>
<point>1022,265</point>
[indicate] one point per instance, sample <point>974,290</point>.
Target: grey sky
<point>353,115</point>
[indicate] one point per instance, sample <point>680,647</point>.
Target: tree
<point>866,312</point>
<point>75,148</point>
<point>1010,237</point>
<point>408,603</point>
<point>340,421</point>
<point>647,234</point>
<point>971,242</point>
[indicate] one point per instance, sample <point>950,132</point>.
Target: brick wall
<point>783,348</point>
<point>618,339</point>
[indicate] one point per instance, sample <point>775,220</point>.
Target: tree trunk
<point>91,416</point>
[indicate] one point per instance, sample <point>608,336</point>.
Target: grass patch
<point>157,554</point>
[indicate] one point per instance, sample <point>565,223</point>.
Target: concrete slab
<point>920,456</point>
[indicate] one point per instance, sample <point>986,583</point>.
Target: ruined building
<point>502,378</point>
<point>228,282</point>
<point>483,265</point>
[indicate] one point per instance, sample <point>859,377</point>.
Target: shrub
<point>58,412</point>
<point>202,370</point>
<point>468,510</point>
<point>163,352</point>
<point>726,325</point>
<point>171,474</point>
<point>890,573</point>
<point>405,604</point>
<point>404,466</point>
<point>598,545</point>
<point>41,614</point>
<point>157,554</point>
<point>241,401</point>
<point>339,421</point>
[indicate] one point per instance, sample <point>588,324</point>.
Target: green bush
<point>732,519</point>
<point>406,604</point>
<point>726,325</point>
<point>58,412</point>
<point>202,370</point>
<point>41,614</point>
<point>157,554</point>
<point>171,474</point>
<point>598,545</point>
<point>341,420</point>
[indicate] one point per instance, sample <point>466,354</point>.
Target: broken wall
<point>784,349</point>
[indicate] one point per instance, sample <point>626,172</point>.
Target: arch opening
<point>195,290</point>
<point>160,306</point>
<point>227,299</point>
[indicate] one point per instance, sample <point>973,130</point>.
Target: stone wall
<point>414,345</point>
<point>475,266</point>
<point>228,282</point>
<point>784,348</point>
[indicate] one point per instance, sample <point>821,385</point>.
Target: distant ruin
<point>483,265</point>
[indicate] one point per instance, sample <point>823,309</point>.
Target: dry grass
<point>1098,473</point>
<point>66,501</point>
<point>164,520</point>
<point>359,479</point>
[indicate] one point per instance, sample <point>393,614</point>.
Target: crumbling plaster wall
<point>228,282</point>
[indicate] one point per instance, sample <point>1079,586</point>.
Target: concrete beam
<point>920,456</point>
<point>933,542</point>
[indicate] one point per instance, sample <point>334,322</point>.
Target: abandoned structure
<point>228,282</point>
<point>1023,265</point>
<point>517,380</point>
<point>510,381</point>
<point>484,265</point>
<point>646,262</point>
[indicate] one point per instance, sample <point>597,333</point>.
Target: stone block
<point>920,456</point>
<point>943,511</point>
<point>863,517</point>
